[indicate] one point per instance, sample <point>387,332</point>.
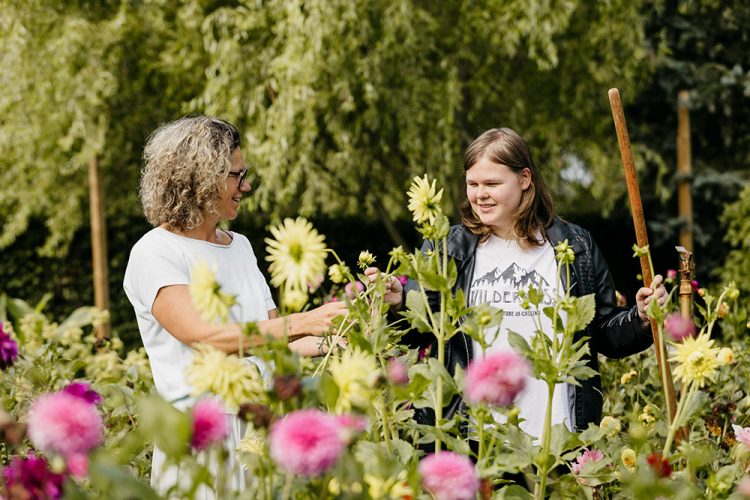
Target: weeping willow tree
<point>341,102</point>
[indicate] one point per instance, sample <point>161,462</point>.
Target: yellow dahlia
<point>366,259</point>
<point>697,360</point>
<point>611,425</point>
<point>355,374</point>
<point>234,380</point>
<point>725,356</point>
<point>628,458</point>
<point>424,200</point>
<point>294,300</point>
<point>338,273</point>
<point>297,254</point>
<point>627,377</point>
<point>206,294</point>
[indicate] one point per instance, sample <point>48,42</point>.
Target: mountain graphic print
<point>500,288</point>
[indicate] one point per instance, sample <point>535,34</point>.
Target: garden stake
<point>641,236</point>
<point>686,277</point>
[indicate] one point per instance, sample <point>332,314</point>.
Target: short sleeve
<point>150,268</point>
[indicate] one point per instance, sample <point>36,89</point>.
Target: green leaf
<point>519,344</point>
<point>582,313</point>
<point>158,415</point>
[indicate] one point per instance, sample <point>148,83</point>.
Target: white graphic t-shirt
<point>502,269</point>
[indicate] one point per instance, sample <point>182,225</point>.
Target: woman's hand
<point>313,346</point>
<point>315,322</point>
<point>394,292</point>
<point>646,294</point>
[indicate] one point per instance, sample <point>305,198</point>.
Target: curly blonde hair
<point>186,163</point>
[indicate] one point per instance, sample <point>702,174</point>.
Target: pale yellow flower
<point>294,299</point>
<point>297,254</point>
<point>424,200</point>
<point>628,458</point>
<point>355,373</point>
<point>627,377</point>
<point>725,356</point>
<point>697,360</point>
<point>366,259</point>
<point>211,302</point>
<point>253,442</point>
<point>611,425</point>
<point>392,487</point>
<point>338,273</point>
<point>235,381</point>
<point>647,415</point>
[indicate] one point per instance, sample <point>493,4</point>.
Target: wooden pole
<point>686,277</point>
<point>641,236</point>
<point>684,171</point>
<point>98,244</point>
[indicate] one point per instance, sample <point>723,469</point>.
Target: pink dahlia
<point>84,391</point>
<point>671,274</point>
<point>350,426</point>
<point>78,465</point>
<point>449,476</point>
<point>742,434</point>
<point>209,424</point>
<point>496,379</point>
<point>589,456</point>
<point>397,373</point>
<point>31,478</point>
<point>306,442</point>
<point>8,349</point>
<point>64,424</point>
<point>679,327</point>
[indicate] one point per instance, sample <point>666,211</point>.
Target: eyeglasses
<point>241,175</point>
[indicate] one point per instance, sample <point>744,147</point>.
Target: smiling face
<point>494,192</point>
<point>232,191</point>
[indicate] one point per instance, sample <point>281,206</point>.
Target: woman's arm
<point>174,310</point>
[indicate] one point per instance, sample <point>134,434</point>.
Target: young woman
<point>505,243</point>
<point>194,177</point>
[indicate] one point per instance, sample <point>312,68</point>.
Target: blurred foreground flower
<point>742,434</point>
<point>588,456</point>
<point>725,356</point>
<point>65,424</point>
<point>8,349</point>
<point>697,360</point>
<point>355,374</point>
<point>449,476</point>
<point>660,465</point>
<point>211,302</point>
<point>627,377</point>
<point>611,425</point>
<point>209,424</point>
<point>338,273</point>
<point>424,200</point>
<point>679,327</point>
<point>293,299</point>
<point>350,426</point>
<point>397,373</point>
<point>31,478</point>
<point>306,442</point>
<point>496,379</point>
<point>297,254</point>
<point>227,376</point>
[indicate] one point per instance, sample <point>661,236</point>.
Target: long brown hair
<point>505,147</point>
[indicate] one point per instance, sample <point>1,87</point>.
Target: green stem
<point>541,486</point>
<point>679,414</point>
<point>664,367</point>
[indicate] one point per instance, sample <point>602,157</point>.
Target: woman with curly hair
<point>194,177</point>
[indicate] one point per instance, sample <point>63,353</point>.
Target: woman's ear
<point>524,178</point>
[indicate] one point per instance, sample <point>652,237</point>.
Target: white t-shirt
<point>502,269</point>
<point>162,258</point>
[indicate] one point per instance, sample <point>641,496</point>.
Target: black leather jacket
<point>615,331</point>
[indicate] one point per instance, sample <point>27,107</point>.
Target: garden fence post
<point>684,171</point>
<point>98,245</point>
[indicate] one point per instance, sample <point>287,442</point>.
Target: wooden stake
<point>98,245</point>
<point>641,236</point>
<point>684,171</point>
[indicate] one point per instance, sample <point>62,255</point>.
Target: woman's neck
<point>205,232</point>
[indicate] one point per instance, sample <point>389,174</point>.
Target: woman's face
<point>494,192</point>
<point>234,188</point>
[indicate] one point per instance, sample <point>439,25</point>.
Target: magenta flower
<point>209,424</point>
<point>350,426</point>
<point>84,391</point>
<point>497,379</point>
<point>31,478</point>
<point>8,349</point>
<point>679,327</point>
<point>742,434</point>
<point>64,424</point>
<point>671,274</point>
<point>306,442</point>
<point>588,456</point>
<point>695,285</point>
<point>397,373</point>
<point>403,279</point>
<point>449,476</point>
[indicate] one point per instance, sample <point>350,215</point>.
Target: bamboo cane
<point>639,221</point>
